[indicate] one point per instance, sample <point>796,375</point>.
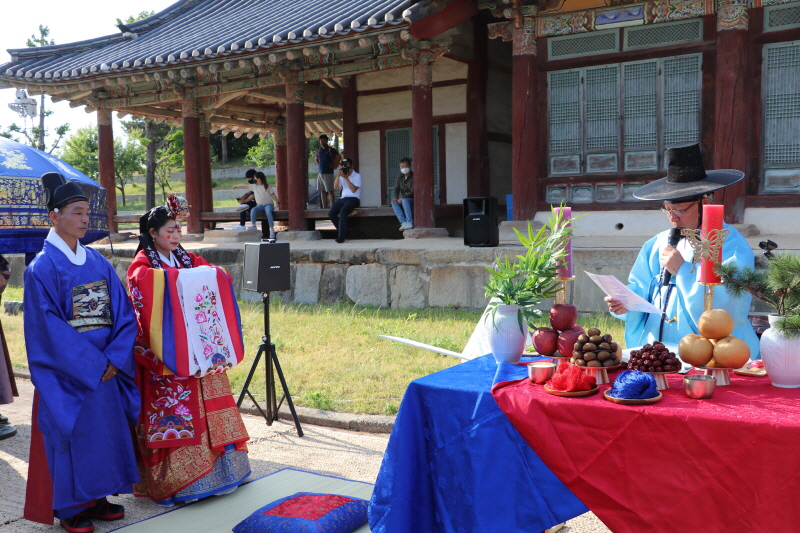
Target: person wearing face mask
<point>190,435</point>
<point>665,275</point>
<point>79,338</point>
<point>403,203</point>
<point>350,182</point>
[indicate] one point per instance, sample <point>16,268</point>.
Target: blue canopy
<point>24,223</point>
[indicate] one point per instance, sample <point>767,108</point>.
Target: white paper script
<point>614,288</point>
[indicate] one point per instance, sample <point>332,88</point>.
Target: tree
<point>134,18</point>
<point>262,154</point>
<point>158,140</point>
<point>128,159</point>
<point>38,133</point>
<point>80,150</point>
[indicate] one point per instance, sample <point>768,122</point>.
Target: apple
<point>567,340</point>
<point>545,340</point>
<point>563,316</point>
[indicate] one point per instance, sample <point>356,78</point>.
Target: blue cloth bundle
<point>633,384</point>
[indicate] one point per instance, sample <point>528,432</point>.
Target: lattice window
<point>681,99</point>
<point>781,17</point>
<point>781,116</point>
<point>399,145</point>
<point>684,31</point>
<point>584,44</point>
<point>622,116</point>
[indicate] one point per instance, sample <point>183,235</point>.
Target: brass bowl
<point>699,387</point>
<point>541,371</point>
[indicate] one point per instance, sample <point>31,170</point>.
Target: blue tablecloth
<point>454,463</point>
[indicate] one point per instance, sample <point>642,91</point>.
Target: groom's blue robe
<point>78,319</point>
<point>685,302</point>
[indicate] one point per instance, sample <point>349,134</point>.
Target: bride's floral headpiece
<point>178,208</point>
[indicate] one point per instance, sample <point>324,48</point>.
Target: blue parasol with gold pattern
<point>24,223</point>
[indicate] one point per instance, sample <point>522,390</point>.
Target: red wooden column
<point>191,164</point>
<point>730,147</point>
<point>296,156</point>
<point>350,116</point>
<point>281,171</point>
<point>477,137</point>
<point>105,159</point>
<point>422,139</point>
<point>205,169</point>
<point>525,123</point>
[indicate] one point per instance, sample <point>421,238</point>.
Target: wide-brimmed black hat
<point>686,176</point>
<point>59,192</point>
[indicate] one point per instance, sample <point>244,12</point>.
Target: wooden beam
<point>152,112</point>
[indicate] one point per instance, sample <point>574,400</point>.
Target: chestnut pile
<point>595,350</point>
<point>654,358</point>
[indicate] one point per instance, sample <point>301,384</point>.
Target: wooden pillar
<point>350,116</point>
<point>422,139</point>
<point>281,172</point>
<point>477,137</point>
<point>105,159</point>
<point>191,164</point>
<point>205,169</point>
<point>525,121</point>
<point>730,147</point>
<point>296,156</point>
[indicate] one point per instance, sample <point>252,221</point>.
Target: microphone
<point>674,238</point>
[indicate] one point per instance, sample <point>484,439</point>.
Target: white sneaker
<point>239,228</point>
<point>403,226</point>
<point>410,225</point>
<point>272,235</point>
<point>242,207</point>
<point>252,228</point>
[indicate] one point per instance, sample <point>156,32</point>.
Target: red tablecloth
<point>727,464</point>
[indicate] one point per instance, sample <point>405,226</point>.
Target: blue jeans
<point>268,208</point>
<point>404,212</point>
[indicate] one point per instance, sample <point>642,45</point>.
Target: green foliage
<point>530,278</point>
<point>262,154</point>
<point>778,286</point>
<point>237,148</point>
<point>41,40</point>
<point>80,151</point>
<point>129,159</point>
<point>318,399</point>
<point>134,18</point>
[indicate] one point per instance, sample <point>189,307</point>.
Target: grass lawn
<point>331,355</point>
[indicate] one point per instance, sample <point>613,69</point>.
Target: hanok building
<point>555,100</point>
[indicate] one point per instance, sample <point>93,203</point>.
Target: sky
<point>69,21</point>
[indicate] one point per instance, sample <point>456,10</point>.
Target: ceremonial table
<point>454,463</point>
<point>726,464</point>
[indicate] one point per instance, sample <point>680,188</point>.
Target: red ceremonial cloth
<point>726,464</point>
<point>39,490</point>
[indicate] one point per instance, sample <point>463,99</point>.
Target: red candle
<point>565,267</point>
<point>712,220</point>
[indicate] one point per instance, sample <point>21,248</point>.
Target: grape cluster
<point>595,350</point>
<point>654,358</point>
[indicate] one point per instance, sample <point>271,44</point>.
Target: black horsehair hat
<point>687,177</point>
<point>59,192</point>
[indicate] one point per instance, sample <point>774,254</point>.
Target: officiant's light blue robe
<point>78,319</point>
<point>685,302</point>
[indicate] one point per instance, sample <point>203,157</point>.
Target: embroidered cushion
<point>307,512</point>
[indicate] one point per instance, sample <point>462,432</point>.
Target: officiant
<point>664,273</point>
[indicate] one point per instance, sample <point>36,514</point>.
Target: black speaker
<point>266,267</point>
<point>480,222</point>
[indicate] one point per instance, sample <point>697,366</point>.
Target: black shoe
<point>78,524</point>
<point>339,240</point>
<point>104,510</point>
<point>6,432</point>
<point>3,420</point>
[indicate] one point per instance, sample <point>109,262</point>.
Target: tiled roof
<point>194,30</point>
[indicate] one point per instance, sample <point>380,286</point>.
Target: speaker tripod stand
<point>273,366</point>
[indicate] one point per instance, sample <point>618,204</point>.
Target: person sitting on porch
<point>665,274</point>
<point>403,203</point>
<point>190,435</point>
<point>247,200</point>
<point>350,182</point>
<point>265,199</point>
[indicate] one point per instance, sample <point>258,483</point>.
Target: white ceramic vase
<point>505,337</point>
<point>780,355</point>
